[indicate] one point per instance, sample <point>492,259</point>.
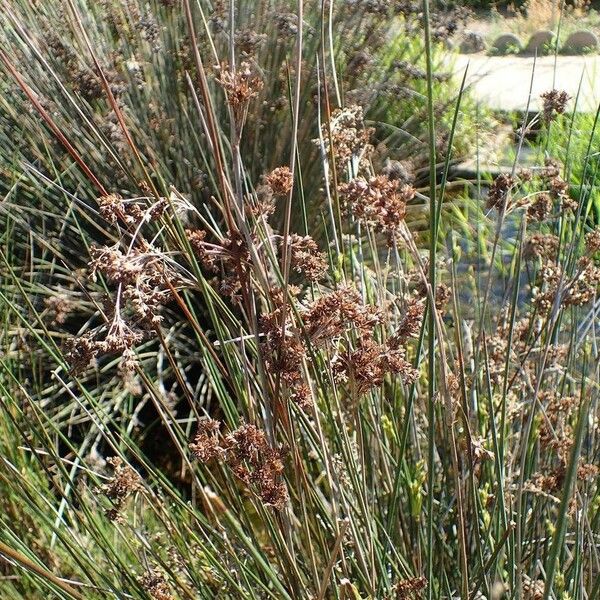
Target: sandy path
<point>503,82</point>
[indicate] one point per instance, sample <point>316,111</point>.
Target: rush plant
<point>201,400</point>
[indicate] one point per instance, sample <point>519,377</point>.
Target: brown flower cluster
<point>533,589</point>
<point>582,287</point>
<point>143,276</point>
<point>58,308</point>
<point>349,137</point>
<point>83,349</point>
<point>577,290</point>
<point>241,85</point>
<point>261,204</point>
<point>306,258</point>
<point>114,208</point>
<point>280,181</point>
<point>540,208</point>
<point>367,366</point>
<point>206,443</point>
<point>155,583</point>
<point>553,481</point>
<point>554,103</point>
<point>556,426</point>
<point>125,481</point>
<point>283,351</point>
<point>541,245</point>
<point>545,483</point>
<point>497,347</point>
<point>330,316</point>
<point>592,241</point>
<point>341,323</point>
<point>499,192</point>
<point>524,331</point>
<point>550,191</point>
<point>229,259</point>
<point>410,324</point>
<point>250,457</point>
<point>143,273</point>
<point>365,363</point>
<point>248,41</point>
<point>84,80</point>
<point>378,201</point>
<point>410,588</point>
<point>557,187</point>
<point>287,24</point>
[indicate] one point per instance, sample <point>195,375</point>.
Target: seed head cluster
<point>155,583</point>
<point>410,588</point>
<point>554,103</point>
<point>124,483</point>
<point>247,453</point>
<point>280,181</point>
<point>499,191</point>
<point>346,135</point>
<point>144,277</point>
<point>241,85</point>
<point>306,258</point>
<point>378,201</point>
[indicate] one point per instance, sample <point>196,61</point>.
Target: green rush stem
<point>432,283</point>
<point>44,573</point>
<point>569,482</point>
<point>51,124</point>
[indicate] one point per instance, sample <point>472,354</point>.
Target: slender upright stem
<point>431,312</point>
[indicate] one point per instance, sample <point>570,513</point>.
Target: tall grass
<point>199,400</point>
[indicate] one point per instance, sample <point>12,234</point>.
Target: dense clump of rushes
<point>233,365</point>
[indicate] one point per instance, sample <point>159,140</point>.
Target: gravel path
<point>503,82</point>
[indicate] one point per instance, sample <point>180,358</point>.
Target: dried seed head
<point>411,322</point>
<point>287,24</point>
<point>240,85</point>
<point>125,481</point>
<point>533,589</point>
<point>499,191</point>
<point>349,137</point>
<point>592,241</point>
<point>552,168</point>
<point>111,207</point>
<point>410,588</point>
<point>206,443</point>
<point>80,351</point>
<point>379,201</point>
<point>554,103</point>
<point>367,366</point>
<point>306,258</point>
<point>330,316</point>
<point>230,258</point>
<point>540,207</point>
<point>127,372</point>
<point>540,245</point>
<point>257,464</point>
<point>59,307</point>
<point>587,472</point>
<point>248,454</point>
<point>261,204</point>
<point>280,181</point>
<point>249,41</point>
<point>155,583</point>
